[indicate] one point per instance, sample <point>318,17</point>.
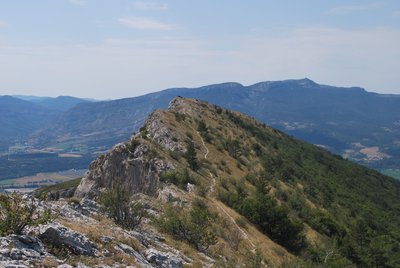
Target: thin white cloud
<point>364,58</point>
<point>2,24</point>
<point>146,5</point>
<point>77,2</point>
<point>355,8</point>
<point>143,23</point>
<point>121,68</point>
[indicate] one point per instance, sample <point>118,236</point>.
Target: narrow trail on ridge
<point>216,202</point>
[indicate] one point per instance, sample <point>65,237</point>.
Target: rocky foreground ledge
<point>81,237</point>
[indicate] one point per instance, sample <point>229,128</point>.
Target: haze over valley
<point>359,125</point>
<point>177,134</point>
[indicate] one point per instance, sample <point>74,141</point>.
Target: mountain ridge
<point>19,117</point>
<point>359,125</point>
<point>327,115</point>
<point>239,160</point>
<point>201,185</point>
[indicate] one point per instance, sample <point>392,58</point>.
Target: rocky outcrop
<point>64,193</point>
<point>130,251</point>
<point>111,244</point>
<point>63,237</point>
<point>164,260</point>
<point>20,250</point>
<point>135,164</point>
<point>161,134</point>
<point>138,171</point>
<point>184,106</point>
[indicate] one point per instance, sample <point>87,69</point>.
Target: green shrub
<point>132,145</point>
<point>264,211</point>
<point>192,226</point>
<point>203,130</point>
<point>177,178</point>
<point>324,224</point>
<point>16,213</point>
<point>202,127</point>
<point>143,132</point>
<point>191,156</point>
<point>273,220</point>
<point>175,154</point>
<point>117,204</point>
<point>179,116</point>
<point>233,147</point>
<point>254,259</point>
<point>257,149</point>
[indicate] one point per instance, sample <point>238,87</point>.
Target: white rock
<point>65,266</point>
<point>161,259</point>
<point>61,236</point>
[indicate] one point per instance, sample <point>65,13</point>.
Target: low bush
<point>203,130</point>
<point>179,116</point>
<point>192,226</point>
<point>191,156</point>
<point>179,179</point>
<point>118,206</point>
<point>132,145</point>
<point>17,212</point>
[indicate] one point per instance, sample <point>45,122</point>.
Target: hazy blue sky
<point>121,48</point>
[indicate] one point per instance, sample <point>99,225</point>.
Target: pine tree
<point>191,156</point>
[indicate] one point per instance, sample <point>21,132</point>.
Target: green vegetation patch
<point>263,210</point>
<point>117,204</point>
<point>190,225</point>
<point>16,213</point>
<point>179,179</point>
<point>58,187</point>
<point>357,207</point>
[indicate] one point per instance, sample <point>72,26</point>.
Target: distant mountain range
<point>20,116</point>
<point>360,125</point>
<point>60,103</point>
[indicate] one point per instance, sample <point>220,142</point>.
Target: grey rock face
<point>61,236</point>
<point>19,250</point>
<point>181,105</point>
<point>161,259</point>
<point>137,167</point>
<point>160,133</point>
<point>88,206</point>
<point>106,239</point>
<point>65,193</point>
<point>138,171</point>
<point>127,249</point>
<point>130,251</point>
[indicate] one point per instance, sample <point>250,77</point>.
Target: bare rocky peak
<point>135,163</point>
<point>184,106</point>
<point>159,132</point>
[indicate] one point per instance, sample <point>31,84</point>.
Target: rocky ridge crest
<point>134,162</point>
